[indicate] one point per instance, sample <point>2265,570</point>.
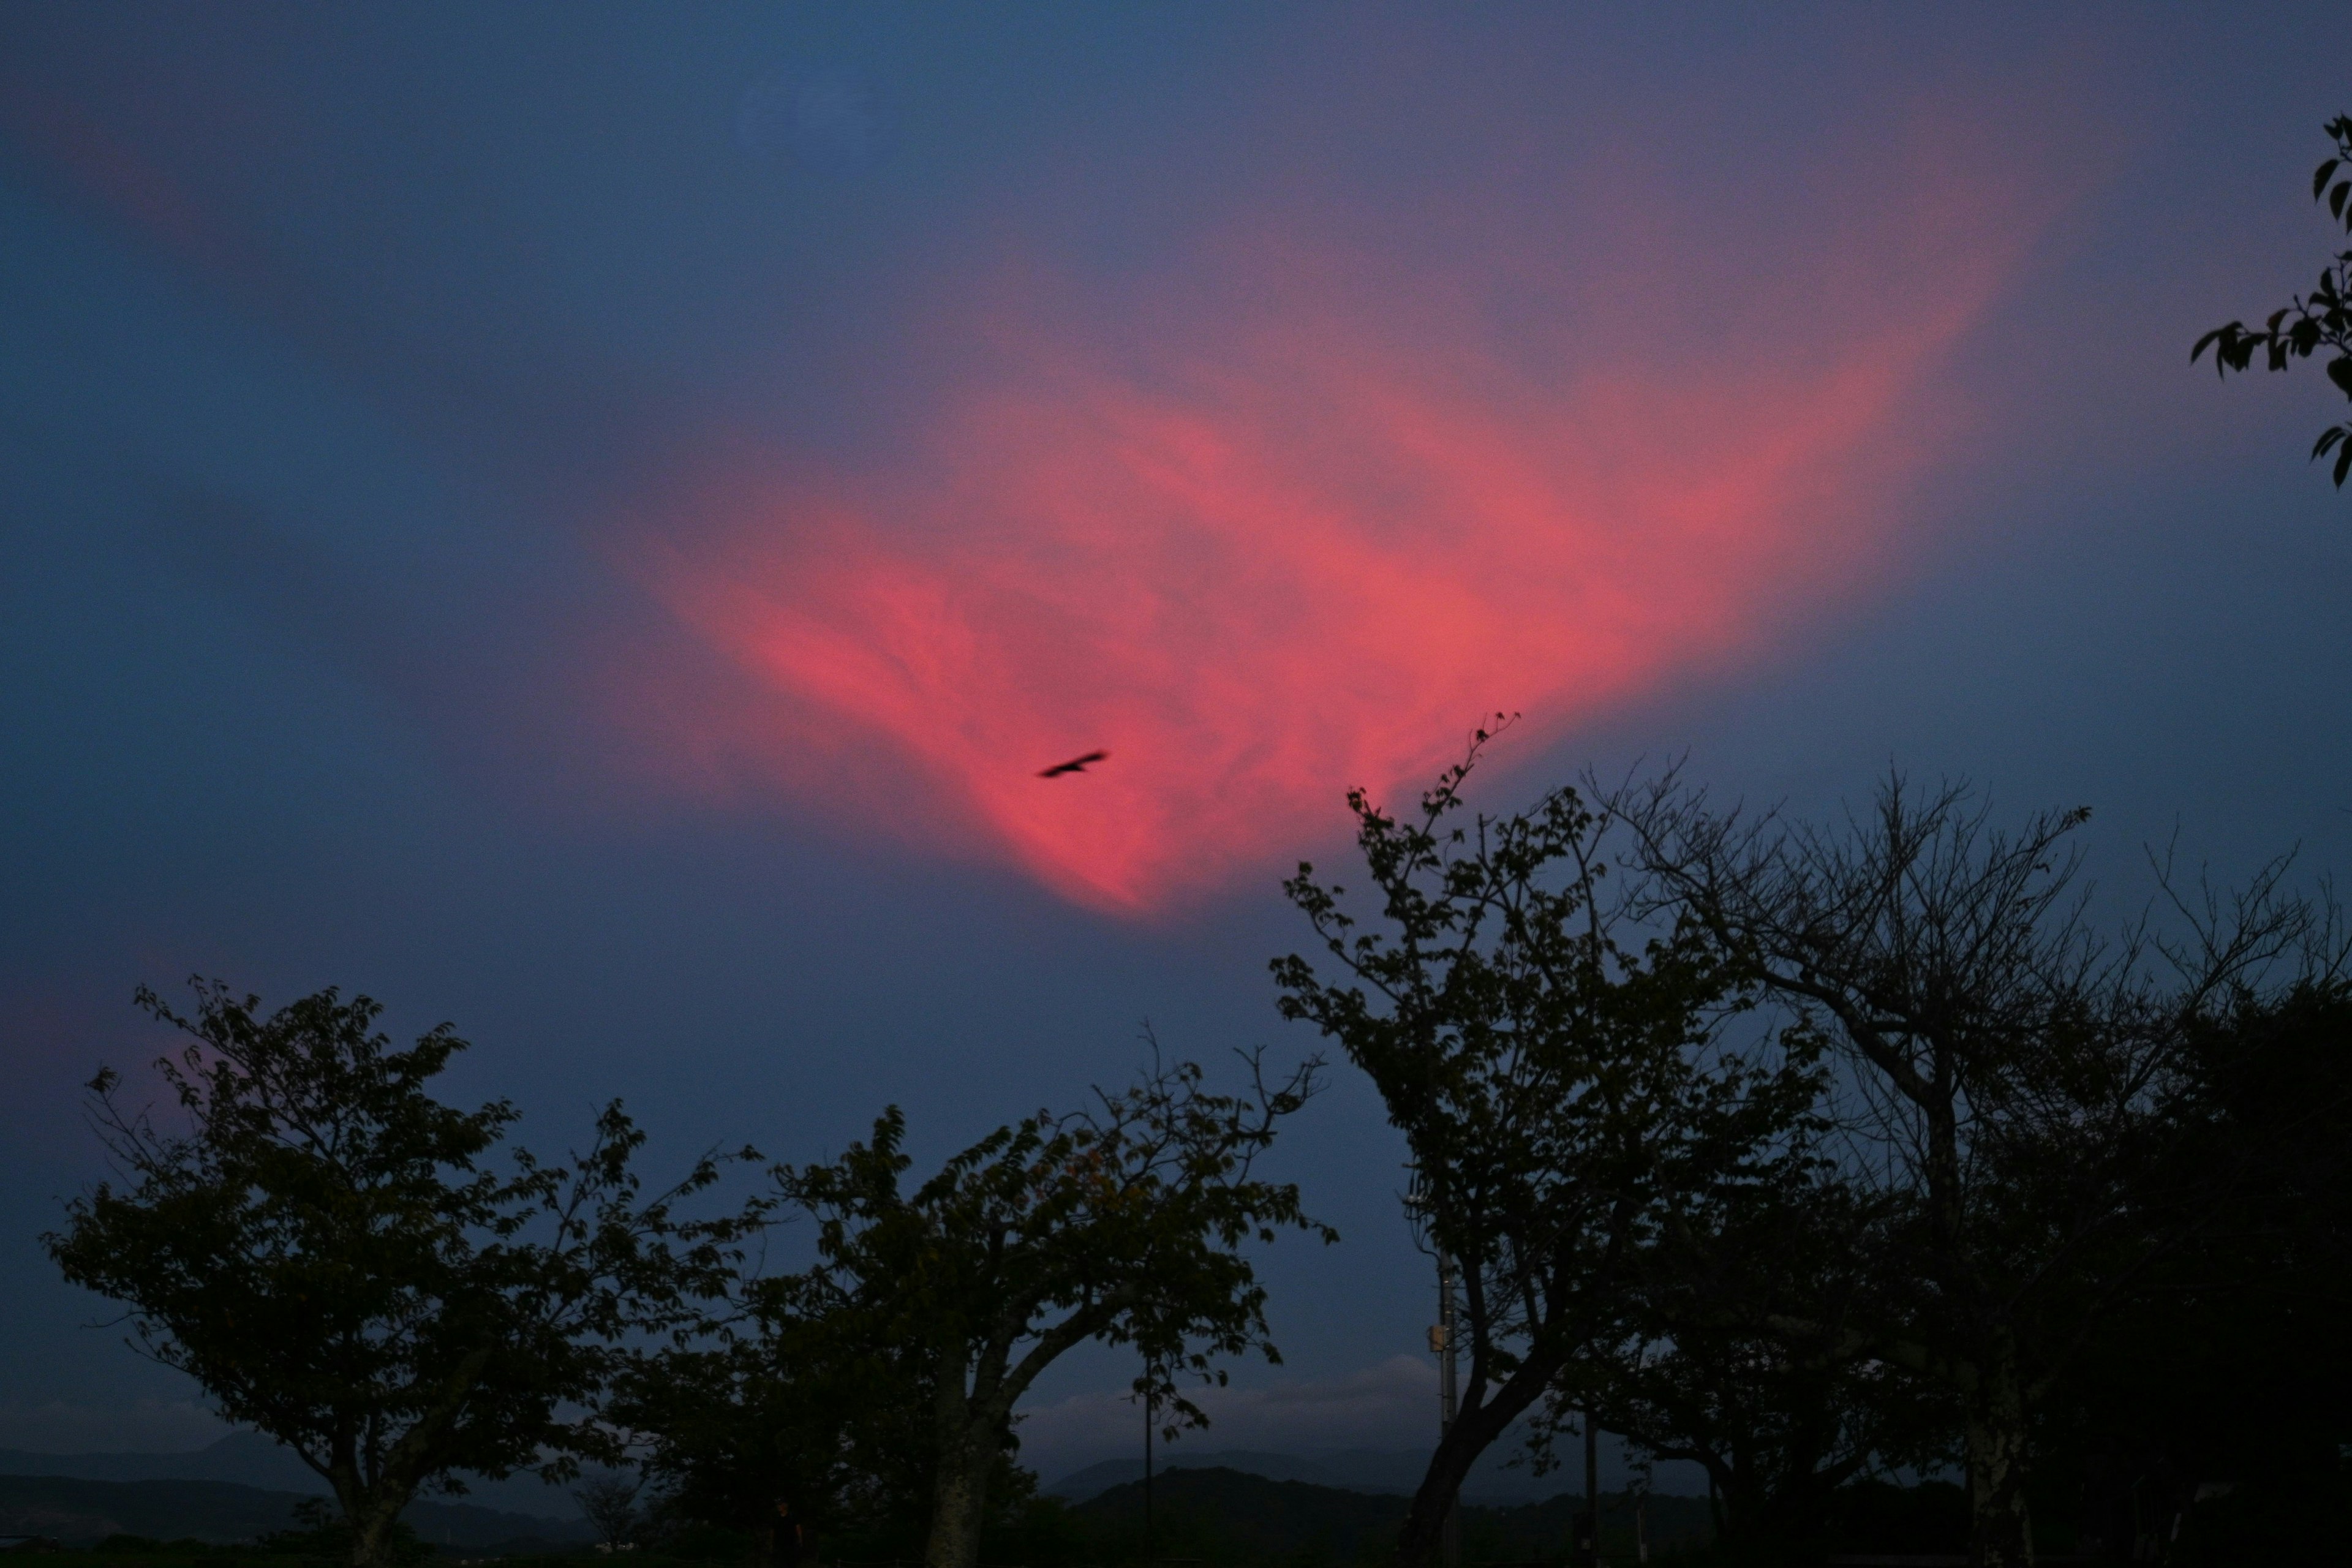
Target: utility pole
<point>1151,1419</point>
<point>1443,1344</point>
<point>1588,1535</point>
<point>1449,1401</point>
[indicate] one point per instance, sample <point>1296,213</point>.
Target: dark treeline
<point>1813,1153</point>
<point>1818,1156</point>
<point>366,1274</point>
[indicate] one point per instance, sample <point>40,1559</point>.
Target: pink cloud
<point>1297,519</point>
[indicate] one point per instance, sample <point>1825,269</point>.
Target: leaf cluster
<point>1778,1421</point>
<point>767,1422</point>
<point>1123,1221</point>
<point>2306,326</point>
<point>875,1385</point>
<point>2245,1315</point>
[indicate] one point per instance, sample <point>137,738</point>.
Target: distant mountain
<point>1097,1478</point>
<point>252,1459</point>
<point>79,1512</point>
<point>1371,1470</point>
<point>1402,1469</point>
<point>246,1458</point>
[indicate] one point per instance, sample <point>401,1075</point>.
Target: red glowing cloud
<point>1303,531</point>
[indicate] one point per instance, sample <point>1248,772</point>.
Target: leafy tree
<point>1122,1223</point>
<point>327,1250</point>
<point>2304,327</point>
<point>2246,1317</point>
<point>1557,1074</point>
<point>2017,1086</point>
<point>1778,1426</point>
<point>779,1428</point>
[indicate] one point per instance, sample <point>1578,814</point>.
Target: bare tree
<point>608,1500</point>
<point>2010,1075</point>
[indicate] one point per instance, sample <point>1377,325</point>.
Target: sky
<point>585,521</point>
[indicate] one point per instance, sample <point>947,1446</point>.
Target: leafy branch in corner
<point>2307,325</point>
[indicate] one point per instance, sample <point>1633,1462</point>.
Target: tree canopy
<point>784,1425</point>
<point>1125,1222</point>
<point>1779,1424</point>
<point>1558,1072</point>
<point>335,1258</point>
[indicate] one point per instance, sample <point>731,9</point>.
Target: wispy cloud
<point>1295,512</point>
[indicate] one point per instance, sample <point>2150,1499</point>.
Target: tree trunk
<point>2001,1533</point>
<point>371,1532</point>
<point>369,1512</point>
<point>783,1539</point>
<point>1740,1514</point>
<point>1473,1432</point>
<point>371,1507</point>
<point>959,1500</point>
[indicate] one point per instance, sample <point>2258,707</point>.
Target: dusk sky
<point>585,521</point>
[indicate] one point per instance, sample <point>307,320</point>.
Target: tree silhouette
<point>1555,1072</point>
<point>326,1249</point>
<point>2015,1085</point>
<point>1123,1223</point>
<point>2313,325</point>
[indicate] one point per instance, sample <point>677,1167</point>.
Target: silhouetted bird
<point>1075,765</point>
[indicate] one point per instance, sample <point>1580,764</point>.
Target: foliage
<point>1781,1427</point>
<point>1557,1071</point>
<point>2305,327</point>
<point>1124,1223</point>
<point>780,1429</point>
<point>2245,1318</point>
<point>326,1250</point>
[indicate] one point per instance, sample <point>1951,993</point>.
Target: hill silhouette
<point>1096,1479</point>
<point>1494,1479</point>
<point>80,1512</point>
<point>247,1458</point>
<point>252,1459</point>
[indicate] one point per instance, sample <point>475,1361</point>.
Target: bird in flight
<point>1075,765</point>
